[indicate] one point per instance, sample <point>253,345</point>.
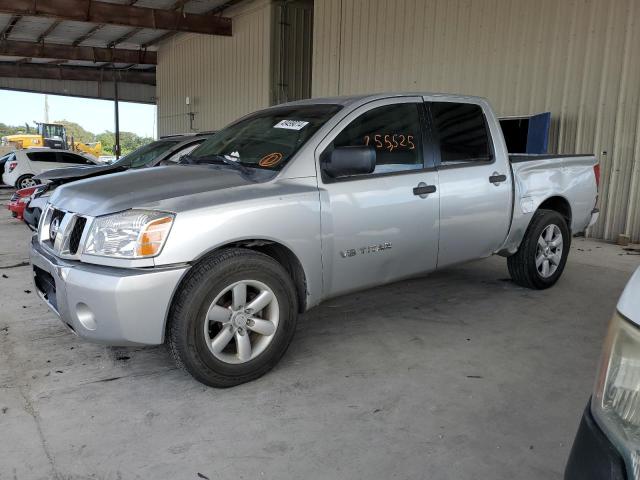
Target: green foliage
<point>11,130</point>
<point>78,133</point>
<point>129,141</point>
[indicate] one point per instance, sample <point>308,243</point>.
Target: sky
<point>93,115</point>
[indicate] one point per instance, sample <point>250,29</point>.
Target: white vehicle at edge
<point>20,169</point>
<point>607,445</point>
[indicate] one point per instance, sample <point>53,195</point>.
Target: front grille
<point>59,214</point>
<point>76,235</point>
<point>61,232</point>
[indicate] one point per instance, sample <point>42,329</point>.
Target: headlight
<point>129,234</point>
<point>616,400</point>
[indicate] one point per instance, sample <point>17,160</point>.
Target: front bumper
<point>593,456</point>
<point>17,208</point>
<point>112,306</point>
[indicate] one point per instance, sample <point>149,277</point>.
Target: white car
<point>23,165</point>
<point>607,445</point>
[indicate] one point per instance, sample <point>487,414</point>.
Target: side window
<point>395,133</point>
<point>184,151</point>
<point>462,132</point>
<point>75,159</point>
<point>42,156</point>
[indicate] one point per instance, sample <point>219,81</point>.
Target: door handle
<point>496,178</point>
<point>422,190</point>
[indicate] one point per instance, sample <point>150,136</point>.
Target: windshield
<point>147,153</point>
<point>266,139</point>
<point>51,130</point>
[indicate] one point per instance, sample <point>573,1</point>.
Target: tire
<point>191,334</point>
<point>524,266</point>
<point>26,181</point>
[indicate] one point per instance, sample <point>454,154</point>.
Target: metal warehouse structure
<point>82,47</point>
<point>577,59</point>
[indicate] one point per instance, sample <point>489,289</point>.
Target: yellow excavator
<point>51,135</point>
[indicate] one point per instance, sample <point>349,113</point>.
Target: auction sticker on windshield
<point>291,124</point>
<point>270,160</point>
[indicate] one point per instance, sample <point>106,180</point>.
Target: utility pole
<point>115,99</point>
<point>46,108</point>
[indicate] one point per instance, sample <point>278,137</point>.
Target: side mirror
<point>345,161</point>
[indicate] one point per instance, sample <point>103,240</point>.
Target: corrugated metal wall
<point>579,59</point>
<point>224,77</point>
<point>129,92</point>
<point>292,50</point>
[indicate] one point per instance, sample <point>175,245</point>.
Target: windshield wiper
<point>216,158</point>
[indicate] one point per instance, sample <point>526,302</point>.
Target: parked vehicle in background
<point>166,151</point>
<point>23,165</point>
<point>4,159</point>
<point>19,201</point>
<point>607,445</point>
<point>295,204</point>
<point>34,207</point>
<point>52,135</point>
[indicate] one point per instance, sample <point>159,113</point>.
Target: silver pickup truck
<point>292,205</point>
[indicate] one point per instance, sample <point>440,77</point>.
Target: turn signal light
<point>153,236</point>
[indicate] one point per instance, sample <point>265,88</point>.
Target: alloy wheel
<point>549,251</point>
<point>241,322</point>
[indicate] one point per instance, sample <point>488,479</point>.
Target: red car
<point>19,201</point>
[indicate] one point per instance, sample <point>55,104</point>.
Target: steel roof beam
<point>178,6</point>
<point>118,14</point>
<point>91,74</point>
<point>15,48</point>
<point>6,31</point>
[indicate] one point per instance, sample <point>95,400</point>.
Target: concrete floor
<point>461,375</point>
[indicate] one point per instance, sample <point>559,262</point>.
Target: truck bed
<point>528,157</point>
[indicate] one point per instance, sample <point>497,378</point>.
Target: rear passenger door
<point>42,161</point>
<point>475,186</point>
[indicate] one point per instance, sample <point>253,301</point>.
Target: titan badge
<point>352,252</point>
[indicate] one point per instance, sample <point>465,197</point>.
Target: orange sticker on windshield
<point>270,160</point>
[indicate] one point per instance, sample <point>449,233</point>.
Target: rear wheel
<point>26,181</point>
<point>542,255</point>
<point>233,318</point>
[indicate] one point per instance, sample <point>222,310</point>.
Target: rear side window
<point>71,158</point>
<point>395,133</point>
<point>185,150</point>
<point>462,132</point>
<point>42,156</point>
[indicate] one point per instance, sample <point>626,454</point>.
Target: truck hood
<point>147,187</point>
<point>68,174</point>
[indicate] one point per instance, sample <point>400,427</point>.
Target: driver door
<point>376,228</point>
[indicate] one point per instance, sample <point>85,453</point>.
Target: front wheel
<point>233,318</point>
<point>542,255</point>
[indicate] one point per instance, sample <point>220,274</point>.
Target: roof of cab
<point>351,99</point>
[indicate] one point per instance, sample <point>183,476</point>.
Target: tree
<point>78,133</point>
<point>11,130</point>
<point>129,141</point>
